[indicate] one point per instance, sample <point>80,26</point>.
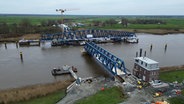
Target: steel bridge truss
<point>113,64</point>
<point>81,34</point>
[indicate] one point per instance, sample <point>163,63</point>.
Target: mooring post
<point>151,46</point>
<point>144,53</point>
<point>140,54</point>
<point>165,47</point>
<point>21,56</point>
<point>5,45</point>
<point>16,44</point>
<point>136,54</point>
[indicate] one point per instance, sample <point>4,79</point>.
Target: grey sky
<point>94,7</point>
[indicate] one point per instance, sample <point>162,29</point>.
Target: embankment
<point>34,91</point>
<point>26,36</point>
<point>172,68</point>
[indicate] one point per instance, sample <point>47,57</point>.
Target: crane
<point>62,12</point>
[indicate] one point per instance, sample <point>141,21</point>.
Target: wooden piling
<point>21,56</point>
<point>151,46</point>
<point>16,44</point>
<point>5,45</point>
<point>165,47</point>
<point>140,54</point>
<point>144,53</point>
<point>136,54</point>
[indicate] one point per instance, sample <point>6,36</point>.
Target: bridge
<point>81,35</point>
<point>112,63</point>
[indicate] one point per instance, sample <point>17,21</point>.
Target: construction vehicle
<point>157,94</point>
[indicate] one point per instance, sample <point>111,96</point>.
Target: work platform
<point>112,63</point>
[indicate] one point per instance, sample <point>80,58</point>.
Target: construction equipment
<point>157,94</point>
<point>62,12</point>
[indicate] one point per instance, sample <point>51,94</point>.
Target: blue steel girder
<point>110,61</point>
<point>83,33</point>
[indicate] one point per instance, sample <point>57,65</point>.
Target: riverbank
<point>16,39</point>
<point>34,91</point>
<point>155,31</point>
<point>172,68</point>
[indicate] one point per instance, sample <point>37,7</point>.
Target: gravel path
<point>86,89</point>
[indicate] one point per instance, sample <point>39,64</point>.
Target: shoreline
<point>155,31</point>
<point>148,31</point>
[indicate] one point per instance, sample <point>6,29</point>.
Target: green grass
<point>172,76</point>
<point>171,23</point>
<point>182,92</point>
<point>176,100</point>
<point>112,95</point>
<point>48,99</point>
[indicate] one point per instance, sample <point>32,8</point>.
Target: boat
<point>63,70</point>
<point>133,39</point>
<point>24,42</point>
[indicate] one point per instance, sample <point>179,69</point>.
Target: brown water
<point>38,61</point>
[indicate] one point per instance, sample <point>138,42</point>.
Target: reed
<point>29,92</point>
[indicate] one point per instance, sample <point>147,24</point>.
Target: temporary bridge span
<point>112,63</point>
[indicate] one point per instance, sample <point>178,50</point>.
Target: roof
<point>147,60</point>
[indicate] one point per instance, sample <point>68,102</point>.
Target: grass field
<point>176,100</point>
<point>35,20</point>
<point>171,76</point>
<point>108,96</point>
<point>171,23</point>
<point>52,98</point>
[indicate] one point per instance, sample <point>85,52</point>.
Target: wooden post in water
<point>140,52</point>
<point>165,47</point>
<point>21,56</point>
<point>151,47</point>
<point>16,44</point>
<point>136,54</point>
<point>5,45</point>
<point>144,53</point>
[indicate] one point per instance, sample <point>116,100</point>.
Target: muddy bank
<point>155,31</point>
<point>16,39</point>
<point>171,68</point>
<point>28,92</point>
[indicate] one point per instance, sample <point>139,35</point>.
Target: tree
<point>25,26</point>
<point>4,29</point>
<point>124,22</point>
<point>111,22</point>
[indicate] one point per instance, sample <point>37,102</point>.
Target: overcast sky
<point>94,7</point>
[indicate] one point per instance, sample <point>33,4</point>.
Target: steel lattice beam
<point>111,62</point>
<point>82,34</point>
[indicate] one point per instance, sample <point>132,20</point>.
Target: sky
<point>93,7</point>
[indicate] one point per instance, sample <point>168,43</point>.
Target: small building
<point>146,69</point>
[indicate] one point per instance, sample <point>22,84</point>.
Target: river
<point>38,61</point>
